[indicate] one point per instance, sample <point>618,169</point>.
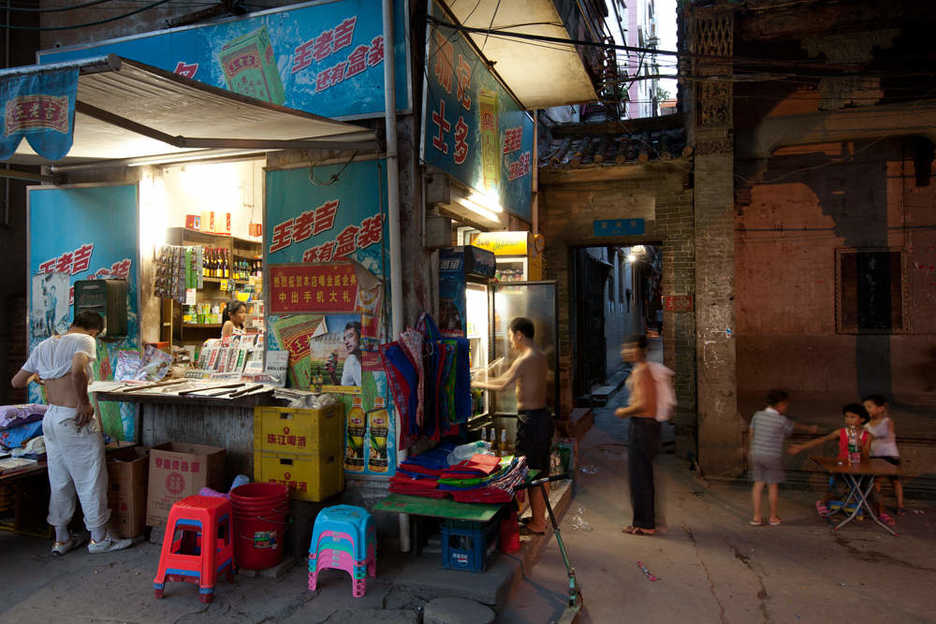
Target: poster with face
<point>49,314</point>
<point>335,354</point>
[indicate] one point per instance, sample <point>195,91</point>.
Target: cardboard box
<point>126,490</point>
<point>177,470</point>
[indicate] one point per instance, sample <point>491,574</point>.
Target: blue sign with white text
<point>325,58</point>
<point>619,227</point>
<point>474,129</point>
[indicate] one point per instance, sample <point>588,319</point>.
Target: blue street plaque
<point>619,227</point>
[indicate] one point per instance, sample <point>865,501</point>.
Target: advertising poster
<point>335,353</point>
<point>332,220</point>
<point>321,57</point>
<point>474,130</point>
<point>84,233</point>
<point>50,313</point>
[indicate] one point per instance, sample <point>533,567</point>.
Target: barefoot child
<point>769,428</point>
<point>848,436</point>
<point>883,446</point>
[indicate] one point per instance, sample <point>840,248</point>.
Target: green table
<point>438,508</point>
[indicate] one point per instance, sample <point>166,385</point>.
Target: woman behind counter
<point>235,315</point>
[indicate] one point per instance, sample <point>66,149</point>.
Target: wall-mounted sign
<point>324,57</point>
<point>312,288</point>
<point>619,227</point>
<point>474,129</point>
<point>677,303</point>
<point>503,243</point>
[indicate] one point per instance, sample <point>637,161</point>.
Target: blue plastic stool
<point>350,520</point>
<point>349,530</point>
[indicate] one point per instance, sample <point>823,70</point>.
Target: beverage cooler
<point>474,305</point>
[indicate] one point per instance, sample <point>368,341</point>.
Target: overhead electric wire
<point>53,9</point>
<point>152,5</point>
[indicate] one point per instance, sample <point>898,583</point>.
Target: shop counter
<point>227,423</point>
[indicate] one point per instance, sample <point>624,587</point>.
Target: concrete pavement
<point>712,566</point>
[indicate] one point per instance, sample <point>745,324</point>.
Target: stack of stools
<point>344,538</point>
<point>197,546</point>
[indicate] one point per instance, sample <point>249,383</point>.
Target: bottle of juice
<point>357,428</point>
<point>854,450</point>
<point>378,427</point>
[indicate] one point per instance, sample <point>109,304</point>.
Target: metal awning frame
<point>357,140</point>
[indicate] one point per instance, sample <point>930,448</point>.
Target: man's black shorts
<point>534,438</point>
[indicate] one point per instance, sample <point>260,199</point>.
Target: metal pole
<point>393,211</point>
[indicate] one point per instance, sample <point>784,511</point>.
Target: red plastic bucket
<point>260,511</point>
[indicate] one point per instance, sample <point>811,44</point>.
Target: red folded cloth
<point>477,466</point>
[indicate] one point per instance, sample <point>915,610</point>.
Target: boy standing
<point>769,428</point>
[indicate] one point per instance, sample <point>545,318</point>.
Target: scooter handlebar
<point>544,480</point>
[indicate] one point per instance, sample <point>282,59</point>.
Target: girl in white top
<point>883,446</point>
<point>235,315</point>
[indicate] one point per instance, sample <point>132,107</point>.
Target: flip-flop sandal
<point>822,510</point>
<point>632,530</point>
<point>756,522</point>
<point>776,522</point>
<point>886,519</point>
<point>525,530</point>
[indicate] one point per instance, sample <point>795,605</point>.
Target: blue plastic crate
<point>468,546</point>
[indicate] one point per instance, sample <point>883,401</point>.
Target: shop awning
<point>540,74</point>
<point>123,109</point>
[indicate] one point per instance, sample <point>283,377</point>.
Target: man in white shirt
<point>351,371</point>
<point>74,443</point>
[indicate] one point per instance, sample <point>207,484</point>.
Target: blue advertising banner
<point>324,57</point>
<point>80,234</point>
<point>334,215</point>
<point>474,129</point>
<point>41,108</point>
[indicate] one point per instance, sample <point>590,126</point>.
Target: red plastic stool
<point>194,522</point>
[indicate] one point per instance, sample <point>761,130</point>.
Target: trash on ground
<point>646,572</point>
<point>578,521</point>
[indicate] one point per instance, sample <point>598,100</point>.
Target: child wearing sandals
<point>883,446</point>
<point>769,429</point>
<point>855,417</point>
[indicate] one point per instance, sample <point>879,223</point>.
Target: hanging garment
<point>431,362</point>
<point>412,342</point>
<point>402,380</point>
<point>462,382</point>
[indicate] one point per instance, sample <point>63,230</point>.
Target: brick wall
<point>571,200</point>
<point>787,236</point>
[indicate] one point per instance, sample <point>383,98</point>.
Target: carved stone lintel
<point>715,146</point>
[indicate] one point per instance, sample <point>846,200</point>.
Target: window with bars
<point>871,296</point>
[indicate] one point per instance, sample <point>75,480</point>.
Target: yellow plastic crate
<point>308,477</point>
<point>299,431</point>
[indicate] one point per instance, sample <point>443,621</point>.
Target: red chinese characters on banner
<point>312,288</point>
<point>70,262</point>
<point>26,112</point>
<point>519,167</point>
<point>187,70</point>
<point>513,140</point>
<point>309,223</point>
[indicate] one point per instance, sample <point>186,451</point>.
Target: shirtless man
<point>74,443</point>
<point>534,422</point>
